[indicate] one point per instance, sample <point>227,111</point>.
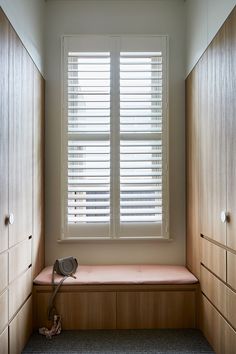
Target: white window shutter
<point>116,123</point>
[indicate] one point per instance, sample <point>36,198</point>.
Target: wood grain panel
<point>38,174</point>
<point>212,84</point>
<point>4,342</point>
<point>218,332</point>
<point>192,158</point>
<point>19,290</point>
<point>220,295</point>
<point>4,34</point>
<point>3,310</point>
<point>19,259</point>
<point>3,271</point>
<point>231,128</point>
<point>156,310</point>
<point>231,270</point>
<point>84,310</point>
<point>20,328</point>
<point>21,86</point>
<point>214,258</point>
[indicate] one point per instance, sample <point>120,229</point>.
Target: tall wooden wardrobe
<point>211,185</point>
<point>21,187</point>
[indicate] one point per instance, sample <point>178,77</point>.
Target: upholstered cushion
<point>122,274</point>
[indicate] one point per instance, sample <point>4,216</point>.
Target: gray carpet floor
<point>188,341</point>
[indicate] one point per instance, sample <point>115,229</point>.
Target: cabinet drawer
<point>218,332</point>
<point>3,310</point>
<point>4,342</point>
<point>231,270</point>
<point>220,295</point>
<point>3,272</point>
<point>19,290</point>
<point>19,259</point>
<point>214,258</point>
<point>20,328</point>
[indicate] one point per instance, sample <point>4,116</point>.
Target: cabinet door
<point>4,34</point>
<point>231,129</point>
<point>192,139</point>
<point>38,174</point>
<point>212,83</point>
<point>20,140</point>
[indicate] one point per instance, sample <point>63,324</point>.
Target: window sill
<point>114,240</point>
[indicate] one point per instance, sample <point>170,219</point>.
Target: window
<point>115,137</point>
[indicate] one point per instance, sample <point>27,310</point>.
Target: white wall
<point>116,17</point>
<point>27,18</point>
<point>204,19</point>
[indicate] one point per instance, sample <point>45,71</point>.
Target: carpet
<point>186,341</point>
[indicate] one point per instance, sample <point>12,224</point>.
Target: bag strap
<point>51,307</point>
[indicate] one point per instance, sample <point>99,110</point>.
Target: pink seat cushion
<point>122,274</point>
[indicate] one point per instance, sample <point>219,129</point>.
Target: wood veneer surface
<point>4,86</point>
<point>231,128</point>
<point>192,137</point>
<point>20,139</point>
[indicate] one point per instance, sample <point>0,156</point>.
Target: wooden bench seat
<point>120,296</point>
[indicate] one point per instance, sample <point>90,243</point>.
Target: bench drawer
<point>163,309</point>
<point>79,310</point>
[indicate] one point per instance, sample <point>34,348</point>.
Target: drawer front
<point>4,271</point>
<point>79,310</point>
<point>231,270</point>
<point>3,310</point>
<point>218,332</point>
<point>20,328</point>
<point>4,342</point>
<point>214,258</point>
<point>220,295</point>
<point>19,259</point>
<point>172,309</point>
<point>19,290</point>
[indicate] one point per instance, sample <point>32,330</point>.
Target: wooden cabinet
<point>231,267</point>
<point>212,142</point>
<point>214,258</point>
<point>4,342</point>
<point>21,84</point>
<point>4,87</point>
<point>20,328</point>
<point>3,310</point>
<point>231,128</point>
<point>192,158</point>
<point>218,332</point>
<point>215,109</point>
<point>21,186</point>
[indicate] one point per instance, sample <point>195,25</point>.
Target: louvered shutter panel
<point>88,141</point>
<point>115,179</point>
<point>141,159</point>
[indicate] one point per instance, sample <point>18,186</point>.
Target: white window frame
<point>119,43</point>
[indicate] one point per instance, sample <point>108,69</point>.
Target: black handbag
<point>67,268</point>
